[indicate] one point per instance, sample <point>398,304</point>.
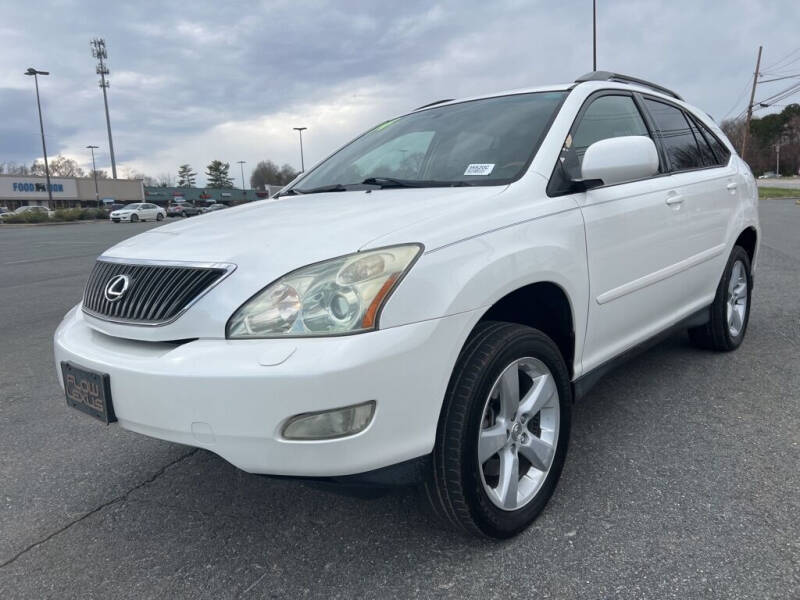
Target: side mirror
<point>620,159</point>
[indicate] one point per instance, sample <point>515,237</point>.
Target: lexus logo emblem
<point>116,287</point>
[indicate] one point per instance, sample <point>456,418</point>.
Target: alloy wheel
<point>519,433</point>
<point>737,299</point>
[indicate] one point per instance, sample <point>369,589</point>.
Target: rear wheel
<point>503,432</point>
<point>730,311</point>
<point>159,217</point>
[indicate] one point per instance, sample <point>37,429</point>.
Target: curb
<point>56,223</point>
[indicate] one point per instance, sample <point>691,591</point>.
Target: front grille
<point>156,293</point>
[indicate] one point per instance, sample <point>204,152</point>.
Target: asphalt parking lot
<point>682,479</point>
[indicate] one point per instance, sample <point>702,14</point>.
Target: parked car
<point>426,304</point>
<point>214,207</point>
<point>768,175</point>
<point>26,209</point>
<point>3,210</point>
<point>183,209</point>
<point>138,211</point>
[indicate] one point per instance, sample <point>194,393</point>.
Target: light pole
<point>778,159</point>
<point>99,52</point>
<point>94,172</point>
<point>241,166</point>
<point>35,73</point>
<point>300,130</point>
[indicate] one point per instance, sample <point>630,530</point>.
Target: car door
<point>707,183</point>
<point>633,236</point>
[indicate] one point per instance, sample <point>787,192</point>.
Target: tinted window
<point>676,136</point>
<point>706,153</point>
<point>606,117</point>
<point>721,152</point>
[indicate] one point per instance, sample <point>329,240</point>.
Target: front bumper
<point>120,219</point>
<point>232,397</point>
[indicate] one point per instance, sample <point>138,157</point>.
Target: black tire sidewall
<point>490,519</point>
<point>720,308</point>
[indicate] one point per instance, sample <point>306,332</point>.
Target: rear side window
<point>721,153</point>
<point>676,136</point>
<point>706,153</point>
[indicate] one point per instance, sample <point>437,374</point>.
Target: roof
<point>593,76</point>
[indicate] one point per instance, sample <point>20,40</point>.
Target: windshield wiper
<point>336,187</point>
<point>391,182</point>
<point>289,192</point>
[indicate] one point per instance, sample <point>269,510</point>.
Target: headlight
<point>341,295</point>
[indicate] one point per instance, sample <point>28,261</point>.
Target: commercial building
<point>164,195</point>
<point>68,192</point>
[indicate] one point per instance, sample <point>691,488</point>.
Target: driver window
<point>606,117</point>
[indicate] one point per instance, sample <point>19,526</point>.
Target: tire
<point>134,218</point>
<point>159,217</point>
<point>471,497</point>
<point>730,311</point>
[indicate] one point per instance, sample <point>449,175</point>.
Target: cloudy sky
<point>203,80</point>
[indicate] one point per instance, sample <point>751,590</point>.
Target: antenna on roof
<point>594,35</point>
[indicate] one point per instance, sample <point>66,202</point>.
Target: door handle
<point>674,199</point>
<point>731,186</point>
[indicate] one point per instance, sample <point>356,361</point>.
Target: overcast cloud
<point>197,81</point>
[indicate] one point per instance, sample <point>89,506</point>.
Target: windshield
<point>480,142</point>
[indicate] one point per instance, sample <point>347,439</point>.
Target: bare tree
<point>60,166</point>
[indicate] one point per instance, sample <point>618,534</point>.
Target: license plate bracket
<point>88,391</point>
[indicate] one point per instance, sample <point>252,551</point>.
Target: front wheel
<point>730,311</point>
<point>134,218</point>
<point>503,432</point>
<point>159,217</point>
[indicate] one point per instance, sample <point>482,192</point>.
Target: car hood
<point>293,231</point>
<point>267,239</point>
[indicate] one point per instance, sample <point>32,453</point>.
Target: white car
<point>426,304</point>
<point>28,209</point>
<point>139,211</point>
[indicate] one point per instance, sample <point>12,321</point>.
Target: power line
<point>739,99</point>
<point>779,61</point>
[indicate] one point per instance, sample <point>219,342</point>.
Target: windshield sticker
<point>479,169</point>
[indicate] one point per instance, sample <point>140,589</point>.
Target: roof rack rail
<point>609,76</point>
<point>434,103</point>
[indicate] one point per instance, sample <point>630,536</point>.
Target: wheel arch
<point>543,305</point>
<point>748,239</point>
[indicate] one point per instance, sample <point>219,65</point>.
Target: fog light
<point>329,424</point>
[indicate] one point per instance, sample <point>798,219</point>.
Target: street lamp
<point>94,172</point>
<point>300,130</point>
<point>241,166</point>
<point>36,73</point>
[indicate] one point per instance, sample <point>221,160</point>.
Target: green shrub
<point>67,214</point>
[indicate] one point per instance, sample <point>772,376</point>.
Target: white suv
<point>426,304</point>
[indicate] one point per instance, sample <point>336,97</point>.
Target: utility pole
<point>778,158</point>
<point>99,52</point>
<point>750,105</point>
<point>36,73</point>
<point>94,172</point>
<point>300,130</point>
<point>594,35</point>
